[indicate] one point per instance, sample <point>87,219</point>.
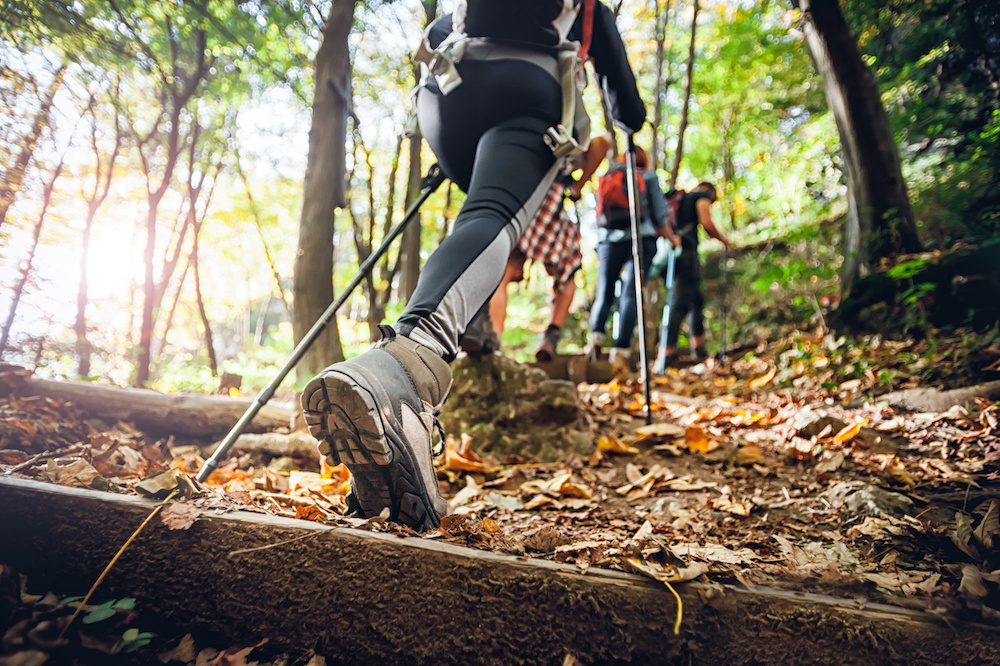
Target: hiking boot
<point>699,353</point>
<point>595,341</point>
<point>376,414</point>
<point>547,344</point>
<point>663,360</point>
<point>480,338</point>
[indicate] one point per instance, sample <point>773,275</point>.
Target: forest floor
<point>791,467</point>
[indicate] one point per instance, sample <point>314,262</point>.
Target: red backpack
<point>673,199</point>
<point>612,198</point>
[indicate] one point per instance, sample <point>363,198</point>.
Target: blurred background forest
<point>153,154</point>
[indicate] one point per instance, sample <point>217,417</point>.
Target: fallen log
<point>182,414</point>
<point>937,400</point>
<point>294,444</point>
<point>366,598</point>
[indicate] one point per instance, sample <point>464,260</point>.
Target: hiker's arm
<point>658,208</point>
<point>614,74</point>
<point>705,219</point>
<point>590,160</point>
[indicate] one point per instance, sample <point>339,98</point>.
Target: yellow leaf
<point>849,432</point>
<point>489,525</point>
<point>763,380</point>
<point>615,445</point>
<point>736,508</point>
<point>698,442</point>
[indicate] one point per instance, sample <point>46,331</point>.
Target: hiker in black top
<point>488,137</point>
<point>491,108</point>
<point>686,299</point>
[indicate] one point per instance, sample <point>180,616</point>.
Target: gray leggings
<point>487,137</point>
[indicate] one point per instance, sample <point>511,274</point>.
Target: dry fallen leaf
<point>615,445</point>
<point>750,454</point>
<point>850,432</point>
<point>660,430</point>
<point>763,380</point>
<point>179,516</point>
<point>725,503</point>
<point>698,442</point>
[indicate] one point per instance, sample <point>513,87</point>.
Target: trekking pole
<point>665,317</point>
<point>722,332</point>
<point>637,269</point>
<point>429,184</point>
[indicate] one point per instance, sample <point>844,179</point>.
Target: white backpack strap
<point>440,62</point>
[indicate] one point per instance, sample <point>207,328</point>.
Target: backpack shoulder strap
<point>588,29</point>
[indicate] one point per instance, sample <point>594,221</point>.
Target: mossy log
<point>507,407</point>
<point>361,598</point>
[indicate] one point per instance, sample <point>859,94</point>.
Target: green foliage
<point>937,64</point>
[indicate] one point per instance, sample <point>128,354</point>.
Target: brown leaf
<point>77,473</point>
<point>749,455</point>
<point>663,430</point>
<point>184,651</point>
<point>698,442</point>
<point>180,516</point>
<point>962,536</point>
<point>988,532</point>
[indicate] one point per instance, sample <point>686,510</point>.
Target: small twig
<point>41,456</point>
<point>273,545</point>
<point>114,559</point>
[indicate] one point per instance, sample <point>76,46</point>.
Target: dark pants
<point>487,135</point>
<point>611,259</point>
<point>686,299</point>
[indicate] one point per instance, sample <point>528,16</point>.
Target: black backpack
<point>532,23</point>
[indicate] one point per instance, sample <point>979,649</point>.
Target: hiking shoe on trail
<point>547,344</point>
<point>480,338</point>
<point>376,413</point>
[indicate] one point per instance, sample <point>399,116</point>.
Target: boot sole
<point>344,417</point>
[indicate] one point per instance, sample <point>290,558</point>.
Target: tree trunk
<point>96,198</point>
<point>152,291</point>
<point>679,153</point>
<point>255,213</point>
<point>660,86</point>
<point>409,249</point>
<point>324,190</point>
<point>29,262</point>
<point>213,363</point>
<point>14,176</point>
<point>879,220</point>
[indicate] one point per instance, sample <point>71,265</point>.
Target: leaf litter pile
<point>783,469</point>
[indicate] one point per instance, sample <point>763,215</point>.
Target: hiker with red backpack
<point>614,252</point>
<point>500,105</point>
<point>685,298</point>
